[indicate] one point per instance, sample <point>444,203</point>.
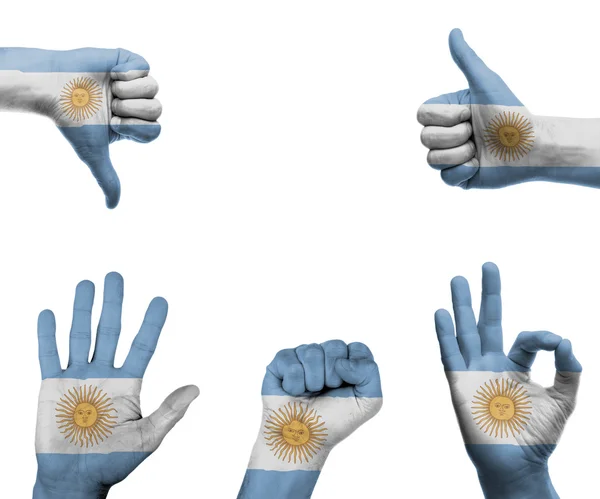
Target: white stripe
<point>44,91</point>
<point>132,74</point>
<point>124,395</point>
<point>540,429</point>
<point>559,142</point>
<point>341,416</point>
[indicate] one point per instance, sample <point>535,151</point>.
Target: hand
<point>90,431</point>
<point>483,136</point>
<point>94,96</point>
<point>509,423</point>
<point>124,107</point>
<point>314,396</point>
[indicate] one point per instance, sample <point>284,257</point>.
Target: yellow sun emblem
<point>295,432</point>
<point>84,415</point>
<point>509,136</point>
<point>501,406</point>
<point>81,98</point>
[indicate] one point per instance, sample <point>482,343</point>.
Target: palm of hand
<point>509,423</point>
<point>85,468</point>
<point>90,431</point>
<point>544,411</point>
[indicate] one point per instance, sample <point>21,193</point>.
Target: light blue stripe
<point>507,175</point>
<point>263,484</point>
<point>497,98</point>
<point>513,471</point>
<point>502,176</point>
<point>461,97</point>
<point>501,368</point>
<point>138,133</point>
<point>73,473</point>
<point>84,60</point>
<point>468,96</point>
<point>101,135</point>
<point>88,371</point>
<point>272,386</point>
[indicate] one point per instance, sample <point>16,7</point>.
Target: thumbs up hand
<point>484,137</point>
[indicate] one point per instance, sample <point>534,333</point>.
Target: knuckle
<point>108,330</point>
<point>426,136</point>
<point>116,106</point>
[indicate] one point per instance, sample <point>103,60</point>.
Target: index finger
<point>452,359</point>
<point>529,343</point>
<point>466,327</point>
<point>146,340</point>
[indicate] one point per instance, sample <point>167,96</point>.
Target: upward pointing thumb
<point>485,85</point>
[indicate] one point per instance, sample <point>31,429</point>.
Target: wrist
<point>533,485</point>
<point>566,142</point>
<point>24,86</point>
<point>43,490</point>
<point>536,141</point>
<point>564,150</point>
<point>265,484</point>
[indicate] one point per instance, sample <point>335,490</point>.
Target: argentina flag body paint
<point>94,96</point>
<point>484,137</point>
<point>90,431</point>
<point>510,424</point>
<point>303,421</point>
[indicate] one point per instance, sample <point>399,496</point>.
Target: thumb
<point>568,376</point>
<point>172,410</point>
<point>91,145</point>
<point>486,86</point>
<point>130,66</point>
<point>105,175</point>
<point>565,360</point>
<point>362,373</point>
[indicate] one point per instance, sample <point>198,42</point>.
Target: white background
<point>288,200</point>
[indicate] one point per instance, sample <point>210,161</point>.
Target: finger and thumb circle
<point>529,343</point>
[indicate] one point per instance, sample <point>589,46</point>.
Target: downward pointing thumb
<point>91,145</point>
<point>106,176</point>
<point>485,85</point>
